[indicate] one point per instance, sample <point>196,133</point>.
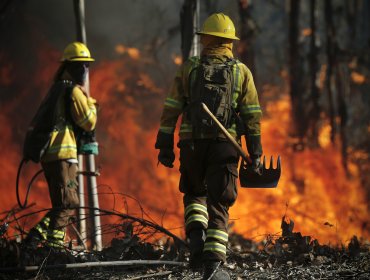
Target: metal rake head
<point>269,177</point>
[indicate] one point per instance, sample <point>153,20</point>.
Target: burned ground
<point>287,256</point>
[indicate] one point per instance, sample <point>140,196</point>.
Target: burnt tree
<point>314,113</point>
<point>330,51</point>
<point>187,27</point>
<point>248,32</point>
<point>295,71</point>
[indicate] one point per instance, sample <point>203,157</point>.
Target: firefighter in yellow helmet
<point>208,162</point>
<point>68,112</point>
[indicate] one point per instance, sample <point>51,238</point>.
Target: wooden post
<point>195,49</point>
<point>81,217</point>
<point>96,240</point>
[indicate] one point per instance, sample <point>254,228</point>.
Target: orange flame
<point>322,201</point>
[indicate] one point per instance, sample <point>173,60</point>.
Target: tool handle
<point>226,133</point>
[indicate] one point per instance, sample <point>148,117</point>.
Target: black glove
<point>255,151</point>
<point>254,145</point>
<point>166,156</point>
<point>256,165</point>
<point>164,140</point>
<point>164,143</point>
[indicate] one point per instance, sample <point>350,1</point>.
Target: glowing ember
<point>120,49</point>
<point>177,59</point>
<point>306,32</point>
<point>358,78</point>
<point>132,52</point>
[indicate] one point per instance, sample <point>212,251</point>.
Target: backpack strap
<point>195,64</point>
<point>236,75</point>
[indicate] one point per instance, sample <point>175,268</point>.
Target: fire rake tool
<point>269,177</point>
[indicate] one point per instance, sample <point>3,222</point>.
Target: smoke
<point>34,34</point>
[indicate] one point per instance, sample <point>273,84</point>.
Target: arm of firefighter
<point>173,107</point>
<point>251,113</point>
<point>83,110</point>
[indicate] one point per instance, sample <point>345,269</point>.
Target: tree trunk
<point>295,70</point>
<point>314,66</point>
<point>187,27</point>
<point>330,50</point>
<point>247,36</point>
<point>342,84</point>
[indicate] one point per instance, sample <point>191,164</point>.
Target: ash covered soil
<point>291,256</point>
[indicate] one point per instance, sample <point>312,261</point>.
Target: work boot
<point>55,244</point>
<point>196,244</point>
<point>213,271</point>
<point>33,239</point>
<point>55,239</point>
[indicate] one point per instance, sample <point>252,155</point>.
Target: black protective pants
<point>208,180</point>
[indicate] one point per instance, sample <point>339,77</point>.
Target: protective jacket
<point>245,98</point>
<point>77,111</point>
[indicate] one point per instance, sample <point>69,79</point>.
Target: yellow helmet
<point>219,25</point>
<point>76,51</point>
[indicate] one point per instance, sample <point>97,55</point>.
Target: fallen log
<point>89,264</point>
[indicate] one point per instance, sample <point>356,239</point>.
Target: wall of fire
<point>137,49</point>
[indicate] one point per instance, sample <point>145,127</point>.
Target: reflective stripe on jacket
<point>83,113</point>
<point>245,98</point>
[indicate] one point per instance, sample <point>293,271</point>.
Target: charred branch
<point>141,221</point>
<point>89,265</point>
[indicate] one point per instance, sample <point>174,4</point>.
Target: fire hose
<point>24,205</point>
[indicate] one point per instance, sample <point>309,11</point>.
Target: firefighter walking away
<point>208,161</point>
<point>53,138</point>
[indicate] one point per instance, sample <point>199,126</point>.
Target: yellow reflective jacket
<point>82,110</point>
<point>245,98</point>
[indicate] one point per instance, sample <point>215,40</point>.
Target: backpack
<point>214,86</point>
<point>44,122</point>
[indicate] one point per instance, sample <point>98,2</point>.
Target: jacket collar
<point>218,50</point>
